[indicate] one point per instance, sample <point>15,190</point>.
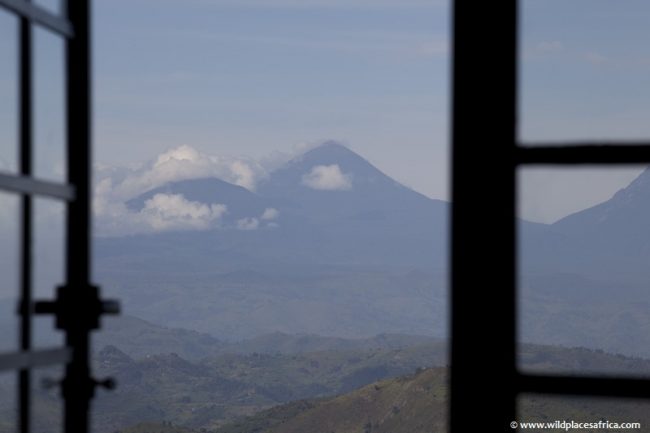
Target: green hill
<point>417,404</point>
<point>261,388</point>
<point>410,404</point>
<point>207,393</point>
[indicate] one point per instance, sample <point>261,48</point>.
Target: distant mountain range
<point>314,391</point>
<point>328,206</point>
<point>330,245</point>
<point>415,403</point>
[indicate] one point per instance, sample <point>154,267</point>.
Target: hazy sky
<point>254,77</point>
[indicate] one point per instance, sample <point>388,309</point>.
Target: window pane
<point>48,263</point>
<point>584,246</point>
<point>47,405</point>
<point>53,6</point>
<point>327,249</point>
<point>584,70</point>
<point>9,270</point>
<point>49,106</point>
<point>8,403</point>
<point>555,410</point>
<point>8,93</point>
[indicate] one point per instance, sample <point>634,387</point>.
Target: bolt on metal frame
<point>78,306</point>
<point>485,381</point>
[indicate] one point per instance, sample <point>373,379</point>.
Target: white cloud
<point>114,186</point>
<point>163,212</point>
<point>327,177</point>
<point>248,224</point>
<point>181,163</point>
<point>270,214</point>
<point>251,223</point>
<point>174,212</point>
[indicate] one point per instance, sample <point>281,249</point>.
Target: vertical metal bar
<point>25,104</point>
<point>483,368</point>
<point>77,386</point>
<point>79,137</point>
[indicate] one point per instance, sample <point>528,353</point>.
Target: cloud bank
<point>114,186</point>
<point>174,212</point>
<point>327,177</point>
<point>182,163</point>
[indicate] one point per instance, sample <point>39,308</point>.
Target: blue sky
<point>253,77</point>
<point>258,77</point>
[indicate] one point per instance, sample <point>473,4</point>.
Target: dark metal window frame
<point>485,381</point>
<point>78,306</point>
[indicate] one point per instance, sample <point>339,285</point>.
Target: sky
<point>259,80</point>
<point>256,77</point>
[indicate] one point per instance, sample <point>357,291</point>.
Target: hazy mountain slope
<point>136,337</point>
<point>205,394</point>
<point>371,194</point>
<point>584,279</point>
<point>376,221</point>
<point>608,242</point>
<point>208,393</point>
<point>289,344</point>
<point>410,404</point>
<point>240,201</point>
<point>355,254</point>
<point>418,404</point>
<point>139,338</point>
<point>341,301</point>
<point>222,388</point>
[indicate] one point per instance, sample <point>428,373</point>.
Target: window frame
<point>485,381</point>
<point>77,307</point>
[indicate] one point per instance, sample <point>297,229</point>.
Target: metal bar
<point>38,15</point>
<point>25,104</point>
<point>483,177</point>
<point>587,153</point>
<point>587,386</point>
<point>78,385</point>
<point>28,185</point>
<point>34,358</point>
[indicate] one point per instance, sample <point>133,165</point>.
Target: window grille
<point>78,306</point>
<point>485,381</point>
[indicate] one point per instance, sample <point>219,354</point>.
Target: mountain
<point>417,403</point>
<point>207,393</point>
<point>345,252</point>
<point>220,389</point>
<point>588,273</point>
<point>241,202</point>
<point>279,342</point>
<point>362,190</point>
<point>382,401</point>
<point>608,242</point>
<point>368,219</point>
<point>349,252</point>
<point>410,404</point>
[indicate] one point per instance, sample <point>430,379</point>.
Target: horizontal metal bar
<point>28,185</point>
<point>584,153</point>
<point>584,385</point>
<point>40,16</point>
<point>34,358</point>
